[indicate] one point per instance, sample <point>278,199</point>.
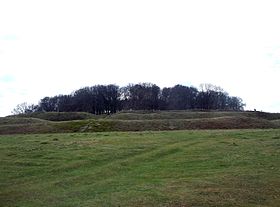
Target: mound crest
<point>55,122</point>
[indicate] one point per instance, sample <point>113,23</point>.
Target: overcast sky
<point>56,46</point>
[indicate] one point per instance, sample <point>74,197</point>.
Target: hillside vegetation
<point>60,122</point>
<point>171,169</point>
<point>59,116</point>
<point>147,115</point>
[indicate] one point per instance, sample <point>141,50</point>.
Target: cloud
<point>7,78</point>
<point>188,42</point>
<point>273,54</point>
<point>8,37</point>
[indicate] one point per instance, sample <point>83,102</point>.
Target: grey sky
<point>53,47</point>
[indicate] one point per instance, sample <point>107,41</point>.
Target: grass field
<point>168,168</point>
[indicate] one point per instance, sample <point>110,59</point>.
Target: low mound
<point>269,116</point>
<point>205,123</point>
<point>144,115</point>
<point>12,120</point>
<point>36,128</point>
<point>105,125</point>
<point>21,125</point>
<point>276,122</point>
<point>59,116</point>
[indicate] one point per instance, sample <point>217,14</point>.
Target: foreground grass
<point>175,168</point>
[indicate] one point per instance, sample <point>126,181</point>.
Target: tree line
<point>107,99</point>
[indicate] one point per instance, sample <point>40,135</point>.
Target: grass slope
<point>140,121</point>
<point>174,168</point>
<point>59,116</point>
<point>146,115</point>
<point>19,120</point>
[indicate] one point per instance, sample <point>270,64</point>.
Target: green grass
<point>61,122</point>
<point>183,114</point>
<point>140,121</point>
<point>168,168</point>
<point>59,116</point>
<point>19,120</point>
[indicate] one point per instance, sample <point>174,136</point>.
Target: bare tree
<point>24,108</point>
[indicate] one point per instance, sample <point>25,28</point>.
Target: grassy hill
<point>19,120</point>
<point>59,116</point>
<point>172,169</point>
<point>55,122</point>
<point>146,115</point>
